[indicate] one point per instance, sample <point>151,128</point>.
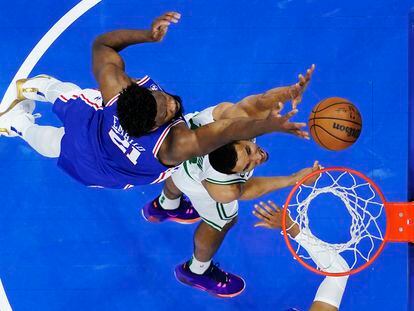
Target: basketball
<point>335,123</point>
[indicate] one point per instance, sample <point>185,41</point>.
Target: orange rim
<point>287,239</point>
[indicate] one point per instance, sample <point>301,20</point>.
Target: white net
<point>366,220</point>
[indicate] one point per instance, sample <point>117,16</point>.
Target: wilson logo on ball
<point>350,131</point>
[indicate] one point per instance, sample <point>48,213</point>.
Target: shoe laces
<point>217,274</point>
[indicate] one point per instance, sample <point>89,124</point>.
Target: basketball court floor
<point>67,247</point>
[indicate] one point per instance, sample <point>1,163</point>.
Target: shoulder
<point>222,188</point>
<point>223,193</point>
<point>175,144</point>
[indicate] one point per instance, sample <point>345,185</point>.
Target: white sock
<point>199,267</point>
<point>49,89</point>
<point>46,140</point>
<point>167,203</point>
<point>331,289</point>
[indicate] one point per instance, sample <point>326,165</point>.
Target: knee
<point>230,224</point>
<point>171,190</point>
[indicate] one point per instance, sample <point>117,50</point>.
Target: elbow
<point>97,43</point>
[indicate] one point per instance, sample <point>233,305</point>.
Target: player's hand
<point>296,90</point>
<point>159,26</point>
<point>281,123</point>
<point>305,172</point>
<point>270,216</point>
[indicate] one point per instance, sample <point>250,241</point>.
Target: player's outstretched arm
<point>183,144</point>
<point>330,292</point>
<point>256,187</point>
<point>108,66</point>
<point>258,106</point>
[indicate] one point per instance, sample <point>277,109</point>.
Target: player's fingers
<point>294,104</point>
<point>260,213</point>
<point>291,114</point>
<point>302,80</point>
<point>316,165</point>
<point>273,204</point>
<point>301,134</point>
<point>267,208</point>
<point>161,23</point>
<point>173,14</point>
<point>263,211</point>
<point>168,18</point>
<point>295,125</point>
<point>171,19</point>
<point>262,224</point>
<point>309,73</point>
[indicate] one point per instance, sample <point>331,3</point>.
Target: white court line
<point>4,302</point>
<point>28,65</point>
<point>42,46</point>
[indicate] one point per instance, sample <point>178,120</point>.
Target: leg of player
<point>44,88</point>
<point>207,241</point>
<point>169,198</point>
<point>200,272</point>
<point>19,121</point>
<point>170,205</point>
<point>46,140</point>
<point>331,290</point>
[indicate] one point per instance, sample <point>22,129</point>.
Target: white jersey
<point>199,168</point>
<point>192,172</point>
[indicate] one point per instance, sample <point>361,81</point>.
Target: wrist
<point>148,35</point>
<point>263,126</point>
<point>293,179</point>
<point>293,230</point>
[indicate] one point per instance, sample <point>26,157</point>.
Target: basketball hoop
<point>374,221</point>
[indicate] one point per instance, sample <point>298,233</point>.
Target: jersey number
<point>130,151</point>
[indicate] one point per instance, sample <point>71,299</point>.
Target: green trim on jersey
<point>226,182</point>
<point>193,126</point>
<point>222,212</point>
<point>186,170</point>
<point>215,226</point>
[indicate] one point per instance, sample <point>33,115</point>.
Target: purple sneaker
<point>214,281</point>
<point>184,214</point>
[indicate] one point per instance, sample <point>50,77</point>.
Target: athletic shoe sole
<point>155,220</point>
<point>184,281</point>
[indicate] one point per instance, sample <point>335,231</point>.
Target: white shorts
<point>213,213</point>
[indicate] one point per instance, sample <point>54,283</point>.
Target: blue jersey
<point>98,152</point>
